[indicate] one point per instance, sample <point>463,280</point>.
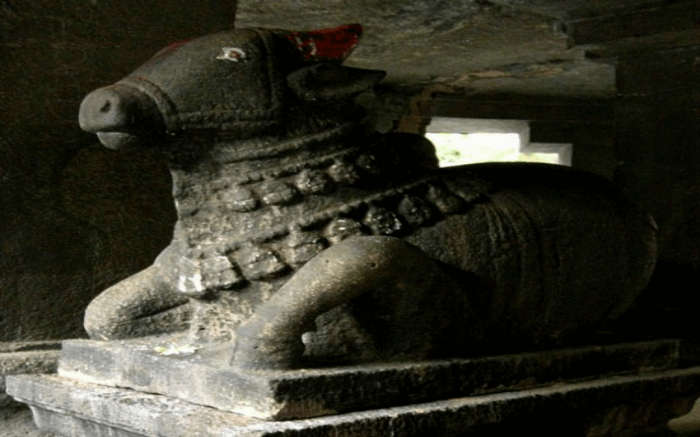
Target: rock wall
<point>74,217</point>
<point>657,118</point>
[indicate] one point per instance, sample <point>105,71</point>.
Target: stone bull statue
<point>303,237</point>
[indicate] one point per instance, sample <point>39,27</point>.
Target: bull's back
<point>553,250</point>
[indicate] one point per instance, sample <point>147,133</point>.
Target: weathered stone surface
<point>26,357</point>
<point>28,362</point>
<point>617,406</point>
<point>472,46</point>
<point>283,395</point>
<point>26,346</point>
<point>23,358</point>
<point>152,307</point>
<point>491,47</point>
<point>658,18</point>
<point>424,281</point>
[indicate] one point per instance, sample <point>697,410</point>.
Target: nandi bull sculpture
<point>302,237</point>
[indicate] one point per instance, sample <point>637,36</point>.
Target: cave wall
<point>657,121</point>
<point>657,114</point>
<point>75,217</point>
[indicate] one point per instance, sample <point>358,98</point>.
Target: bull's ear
<point>326,45</point>
<point>330,81</point>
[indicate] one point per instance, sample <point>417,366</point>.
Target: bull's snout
<point>104,110</point>
<point>118,115</point>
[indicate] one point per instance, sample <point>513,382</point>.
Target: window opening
<point>461,141</point>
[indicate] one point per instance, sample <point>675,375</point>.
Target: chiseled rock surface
<point>622,405</point>
<point>23,358</point>
<point>295,394</point>
<point>483,46</point>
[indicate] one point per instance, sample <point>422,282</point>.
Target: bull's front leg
<point>142,304</point>
<point>271,338</point>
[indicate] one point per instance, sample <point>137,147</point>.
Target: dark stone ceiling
<point>478,46</point>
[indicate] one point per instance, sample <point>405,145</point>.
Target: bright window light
<point>470,140</point>
<point>458,149</point>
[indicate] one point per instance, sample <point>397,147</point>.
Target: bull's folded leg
<point>271,338</point>
<point>140,305</point>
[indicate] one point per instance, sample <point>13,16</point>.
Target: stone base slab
<point>295,394</point>
<point>26,357</point>
<point>616,406</point>
<point>17,358</point>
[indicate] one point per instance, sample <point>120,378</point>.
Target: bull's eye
<point>233,54</point>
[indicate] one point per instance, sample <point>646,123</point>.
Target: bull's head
<point>242,82</point>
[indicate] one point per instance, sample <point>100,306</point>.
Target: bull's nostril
<point>118,108</point>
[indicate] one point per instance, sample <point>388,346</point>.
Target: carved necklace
<point>276,250</point>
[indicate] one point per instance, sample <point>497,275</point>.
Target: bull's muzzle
<point>120,116</point>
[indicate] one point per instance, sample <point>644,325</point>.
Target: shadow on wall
<point>668,307</point>
<point>75,218</point>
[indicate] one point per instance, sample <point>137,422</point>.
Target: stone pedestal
<point>23,358</point>
<point>133,388</point>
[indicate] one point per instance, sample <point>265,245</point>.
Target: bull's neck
<point>272,152</point>
<point>244,160</point>
<point>236,184</point>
